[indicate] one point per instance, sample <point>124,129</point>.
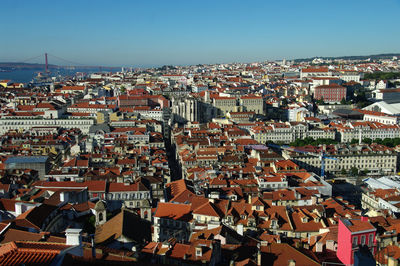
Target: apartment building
<point>375,159</point>
<point>24,124</point>
<point>252,103</point>
<point>332,93</point>
<point>315,72</point>
<point>381,199</point>
<point>172,220</point>
<point>224,104</point>
<point>348,76</point>
<point>372,130</point>
<point>277,132</point>
<point>289,132</point>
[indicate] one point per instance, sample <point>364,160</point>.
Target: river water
<point>26,75</point>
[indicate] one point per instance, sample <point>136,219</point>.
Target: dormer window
<point>304,219</point>
<point>199,252</point>
<point>273,223</point>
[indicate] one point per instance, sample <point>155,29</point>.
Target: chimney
<point>319,247</point>
<point>74,238</point>
<point>392,261</point>
<point>364,219</point>
<point>239,229</point>
<point>93,248</point>
<point>258,254</point>
<point>330,244</point>
<point>18,208</point>
<point>64,196</point>
<point>314,200</point>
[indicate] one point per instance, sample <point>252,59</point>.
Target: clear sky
<point>150,32</point>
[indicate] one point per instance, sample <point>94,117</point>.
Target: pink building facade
<point>330,93</point>
<point>351,234</point>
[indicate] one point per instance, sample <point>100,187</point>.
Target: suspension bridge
<point>50,60</point>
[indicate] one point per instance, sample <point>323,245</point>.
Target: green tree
<point>388,142</point>
<point>89,224</point>
<point>354,171</point>
<point>382,75</point>
<point>320,101</point>
<point>354,141</point>
<point>364,172</point>
<point>367,141</point>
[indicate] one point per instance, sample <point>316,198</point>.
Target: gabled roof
<point>35,217</point>
<point>281,253</point>
<point>12,234</point>
<point>392,251</point>
<point>208,209</point>
<point>174,211</point>
<point>228,233</point>
<point>126,224</point>
<point>358,225</point>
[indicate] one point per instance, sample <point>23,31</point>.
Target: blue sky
<point>149,32</point>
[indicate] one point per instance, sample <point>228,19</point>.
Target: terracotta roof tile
<point>174,211</point>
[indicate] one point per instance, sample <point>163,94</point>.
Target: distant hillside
<point>355,57</point>
<point>16,66</point>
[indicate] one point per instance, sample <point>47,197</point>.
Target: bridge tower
<point>47,64</point>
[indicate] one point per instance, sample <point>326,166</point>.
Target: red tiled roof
<point>283,252</point>
<point>357,225</point>
<point>314,70</point>
<point>75,88</point>
<point>173,211</point>
<point>93,185</point>
<point>29,253</point>
<point>20,235</point>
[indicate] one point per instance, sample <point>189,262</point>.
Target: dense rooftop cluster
<point>274,163</point>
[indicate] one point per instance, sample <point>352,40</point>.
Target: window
<point>355,241</point>
<point>363,240</point>
<point>370,240</point>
